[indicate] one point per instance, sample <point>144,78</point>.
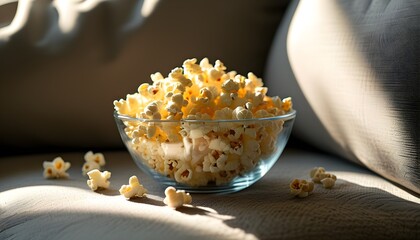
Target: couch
<point>351,67</point>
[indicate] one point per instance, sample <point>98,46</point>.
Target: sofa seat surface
<point>362,205</point>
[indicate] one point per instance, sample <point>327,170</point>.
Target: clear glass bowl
<point>206,155</point>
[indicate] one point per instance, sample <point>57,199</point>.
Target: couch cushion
<point>361,205</point>
<point>63,63</point>
<point>353,68</point>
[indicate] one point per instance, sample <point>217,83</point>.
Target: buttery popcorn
<point>176,198</point>
<point>98,179</point>
<point>133,189</point>
<point>301,188</point>
<point>56,169</point>
<point>92,161</point>
<point>202,153</point>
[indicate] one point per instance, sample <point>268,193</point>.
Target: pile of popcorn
<point>177,139</point>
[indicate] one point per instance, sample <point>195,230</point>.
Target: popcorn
<point>191,68</point>
<point>319,175</point>
<point>287,104</point>
<point>151,111</point>
<point>328,182</point>
<point>214,162</point>
<point>183,174</point>
<point>219,65</point>
<point>177,76</point>
<point>241,113</point>
<point>92,161</point>
<point>205,96</point>
<point>89,166</point>
<point>156,77</point>
<point>210,153</point>
<point>253,81</point>
<point>301,188</point>
<point>230,86</point>
<point>56,169</point>
<point>95,157</point>
<point>98,179</point>
<point>205,64</point>
<point>219,145</point>
<point>133,189</point>
<point>224,113</point>
<point>226,99</point>
<point>176,198</point>
<point>176,103</point>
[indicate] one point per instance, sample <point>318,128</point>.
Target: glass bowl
<point>206,156</point>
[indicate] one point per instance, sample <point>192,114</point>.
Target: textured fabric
<point>63,63</point>
<point>360,206</point>
<point>353,68</point>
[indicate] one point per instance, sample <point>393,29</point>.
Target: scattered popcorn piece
<point>318,174</point>
<point>98,179</point>
<point>95,157</point>
<point>328,182</point>
<point>56,169</point>
<point>315,170</point>
<point>176,198</point>
<point>133,189</point>
<point>301,188</point>
<point>89,166</point>
<point>93,161</point>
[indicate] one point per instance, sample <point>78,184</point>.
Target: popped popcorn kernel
<point>253,80</point>
<point>56,168</point>
<point>183,174</point>
<point>191,68</point>
<point>92,161</point>
<point>301,188</point>
<point>328,182</point>
<point>95,157</point>
<point>287,104</point>
<point>205,64</point>
<point>177,76</point>
<point>133,189</point>
<point>319,175</point>
<point>230,86</point>
<point>98,179</point>
<point>210,153</point>
<point>241,113</point>
<point>156,77</point>
<point>89,166</point>
<point>219,65</point>
<point>176,103</point>
<point>176,198</point>
<point>151,111</point>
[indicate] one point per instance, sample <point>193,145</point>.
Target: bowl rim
<point>288,116</point>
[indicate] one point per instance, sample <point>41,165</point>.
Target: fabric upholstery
<point>63,63</point>
<point>353,68</point>
<point>361,205</point>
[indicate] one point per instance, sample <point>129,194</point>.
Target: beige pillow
<point>353,70</point>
